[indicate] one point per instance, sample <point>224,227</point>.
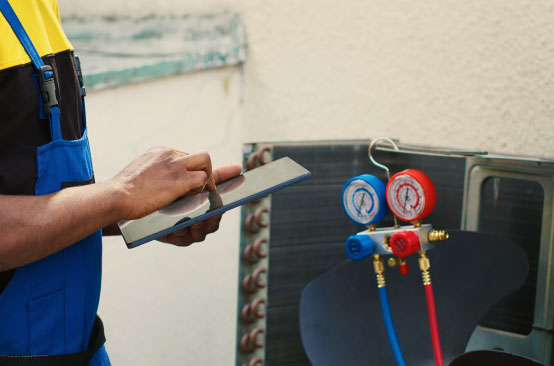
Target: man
<point>52,212</point>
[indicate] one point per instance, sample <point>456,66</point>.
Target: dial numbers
<point>406,198</point>
<point>411,195</point>
<point>363,199</point>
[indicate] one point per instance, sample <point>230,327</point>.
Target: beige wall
<point>473,74</point>
<point>164,305</point>
<point>469,74</point>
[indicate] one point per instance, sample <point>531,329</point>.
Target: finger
<point>199,161</point>
<point>182,241</point>
<point>210,184</point>
<point>195,181</point>
<point>182,233</point>
<point>197,232</point>
<point>178,152</point>
<point>212,224</point>
<point>224,173</point>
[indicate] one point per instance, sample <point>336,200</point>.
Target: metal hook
<point>372,144</point>
<point>384,167</point>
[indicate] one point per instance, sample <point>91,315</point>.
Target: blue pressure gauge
<point>364,199</point>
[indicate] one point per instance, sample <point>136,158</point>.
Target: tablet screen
<point>236,191</point>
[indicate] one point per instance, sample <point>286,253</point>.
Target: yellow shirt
<point>41,20</point>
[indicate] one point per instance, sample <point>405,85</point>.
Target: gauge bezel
<point>429,193</point>
<point>378,187</point>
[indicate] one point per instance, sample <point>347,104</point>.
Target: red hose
<point>433,326</point>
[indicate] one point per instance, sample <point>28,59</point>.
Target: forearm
<point>34,227</point>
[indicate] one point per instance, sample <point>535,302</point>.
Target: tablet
<point>234,192</point>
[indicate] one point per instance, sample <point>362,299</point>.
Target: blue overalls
<point>49,307</point>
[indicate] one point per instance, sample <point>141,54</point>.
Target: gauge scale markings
<point>363,199</point>
<point>360,207</point>
<point>411,195</point>
<point>363,204</point>
<point>409,192</point>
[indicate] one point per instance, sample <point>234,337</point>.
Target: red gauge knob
<point>404,243</point>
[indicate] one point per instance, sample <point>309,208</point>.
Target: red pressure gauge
<point>411,195</point>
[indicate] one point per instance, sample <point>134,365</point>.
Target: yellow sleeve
<point>56,10</point>
<point>41,20</point>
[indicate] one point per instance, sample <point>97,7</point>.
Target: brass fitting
<point>393,262</point>
<point>424,266</point>
<point>371,227</point>
<point>381,281</point>
<point>379,268</point>
<point>437,235</point>
<point>386,242</point>
<point>416,223</point>
<point>378,265</point>
<point>424,263</point>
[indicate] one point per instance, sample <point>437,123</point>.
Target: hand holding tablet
<point>237,191</point>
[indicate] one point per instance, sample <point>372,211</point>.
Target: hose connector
<point>424,266</point>
<point>379,268</point>
<point>437,235</point>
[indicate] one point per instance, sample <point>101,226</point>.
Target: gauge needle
<point>406,199</point>
<point>362,201</point>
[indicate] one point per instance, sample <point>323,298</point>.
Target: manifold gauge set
<point>410,196</point>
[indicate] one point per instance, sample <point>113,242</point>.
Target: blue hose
<point>385,309</point>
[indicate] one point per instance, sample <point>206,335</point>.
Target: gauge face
<point>411,195</point>
<point>363,199</point>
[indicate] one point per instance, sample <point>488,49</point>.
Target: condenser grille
<point>308,227</point>
<point>513,208</point>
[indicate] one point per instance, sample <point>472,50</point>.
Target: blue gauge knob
<point>364,199</point>
<point>358,247</point>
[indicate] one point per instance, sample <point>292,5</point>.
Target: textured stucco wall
<point>471,74</point>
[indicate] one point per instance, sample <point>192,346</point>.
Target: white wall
<point>164,305</point>
<point>471,74</point>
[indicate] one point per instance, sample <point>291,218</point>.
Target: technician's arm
<point>34,227</point>
<point>196,232</point>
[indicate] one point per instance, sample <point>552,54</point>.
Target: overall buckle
<point>80,76</point>
<point>47,87</point>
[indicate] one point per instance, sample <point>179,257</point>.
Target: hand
<point>158,177</point>
<point>197,232</point>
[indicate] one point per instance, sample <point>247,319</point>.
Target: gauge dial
<point>363,199</point>
<point>411,195</point>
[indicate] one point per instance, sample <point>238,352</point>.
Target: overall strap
<point>83,94</point>
<point>46,82</point>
